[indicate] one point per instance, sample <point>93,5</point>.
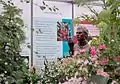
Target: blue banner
<point>68,27</point>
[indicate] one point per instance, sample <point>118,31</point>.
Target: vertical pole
<point>72,10</point>
<point>31,32</point>
<point>72,17</point>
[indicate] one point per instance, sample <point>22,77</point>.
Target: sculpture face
<point>81,34</point>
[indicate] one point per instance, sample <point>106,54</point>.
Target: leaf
<point>10,80</point>
<point>16,43</point>
<point>117,71</point>
<point>8,1</point>
<point>57,9</point>
<point>46,5</point>
<point>50,9</point>
<point>19,81</point>
<point>104,15</point>
<point>93,11</point>
<point>102,25</point>
<point>98,79</point>
<point>42,7</point>
<point>43,3</point>
<point>29,46</point>
<point>24,69</point>
<point>27,1</point>
<point>17,74</point>
<point>54,10</point>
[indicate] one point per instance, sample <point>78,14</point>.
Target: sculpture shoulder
<point>76,46</point>
<point>86,47</point>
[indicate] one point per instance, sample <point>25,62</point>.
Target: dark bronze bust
<point>82,38</point>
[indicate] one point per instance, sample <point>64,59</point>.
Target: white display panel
<point>45,41</point>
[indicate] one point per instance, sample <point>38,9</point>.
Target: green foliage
<point>104,15</point>
<point>108,22</point>
<point>95,41</point>
<point>76,21</point>
<point>68,68</point>
<point>13,69</point>
<point>11,26</point>
<point>57,72</point>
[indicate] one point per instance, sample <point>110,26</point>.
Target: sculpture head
<point>82,33</point>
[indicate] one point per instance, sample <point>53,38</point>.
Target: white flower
<point>95,65</point>
<point>112,40</point>
<point>86,62</point>
<point>6,63</point>
<point>85,69</point>
<point>96,62</point>
<point>80,68</point>
<point>80,61</point>
<point>6,47</point>
<point>6,82</point>
<point>5,71</point>
<point>85,78</point>
<point>114,82</point>
<point>90,63</point>
<point>89,74</point>
<point>26,61</point>
<point>66,78</point>
<point>4,78</point>
<point>71,80</point>
<point>2,75</point>
<point>118,63</point>
<point>93,59</point>
<point>94,38</point>
<point>76,74</point>
<point>89,42</point>
<point>80,79</point>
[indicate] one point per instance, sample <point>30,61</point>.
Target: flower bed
<point>86,68</point>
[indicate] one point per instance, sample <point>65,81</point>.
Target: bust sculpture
<point>82,37</point>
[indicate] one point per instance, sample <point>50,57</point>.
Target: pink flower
<point>99,71</point>
<point>75,53</point>
<point>114,82</point>
<point>80,79</point>
<point>66,82</point>
<point>93,52</point>
<point>82,51</point>
<point>84,82</point>
<point>102,73</point>
<point>102,47</point>
<point>104,61</point>
<point>105,74</point>
<point>117,59</point>
<point>93,59</point>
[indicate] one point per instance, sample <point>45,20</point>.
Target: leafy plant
<point>108,22</point>
<point>13,69</point>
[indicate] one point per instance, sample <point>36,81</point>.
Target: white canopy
<point>92,2</point>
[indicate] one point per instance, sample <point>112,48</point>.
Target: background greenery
<point>13,69</point>
<point>108,21</point>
